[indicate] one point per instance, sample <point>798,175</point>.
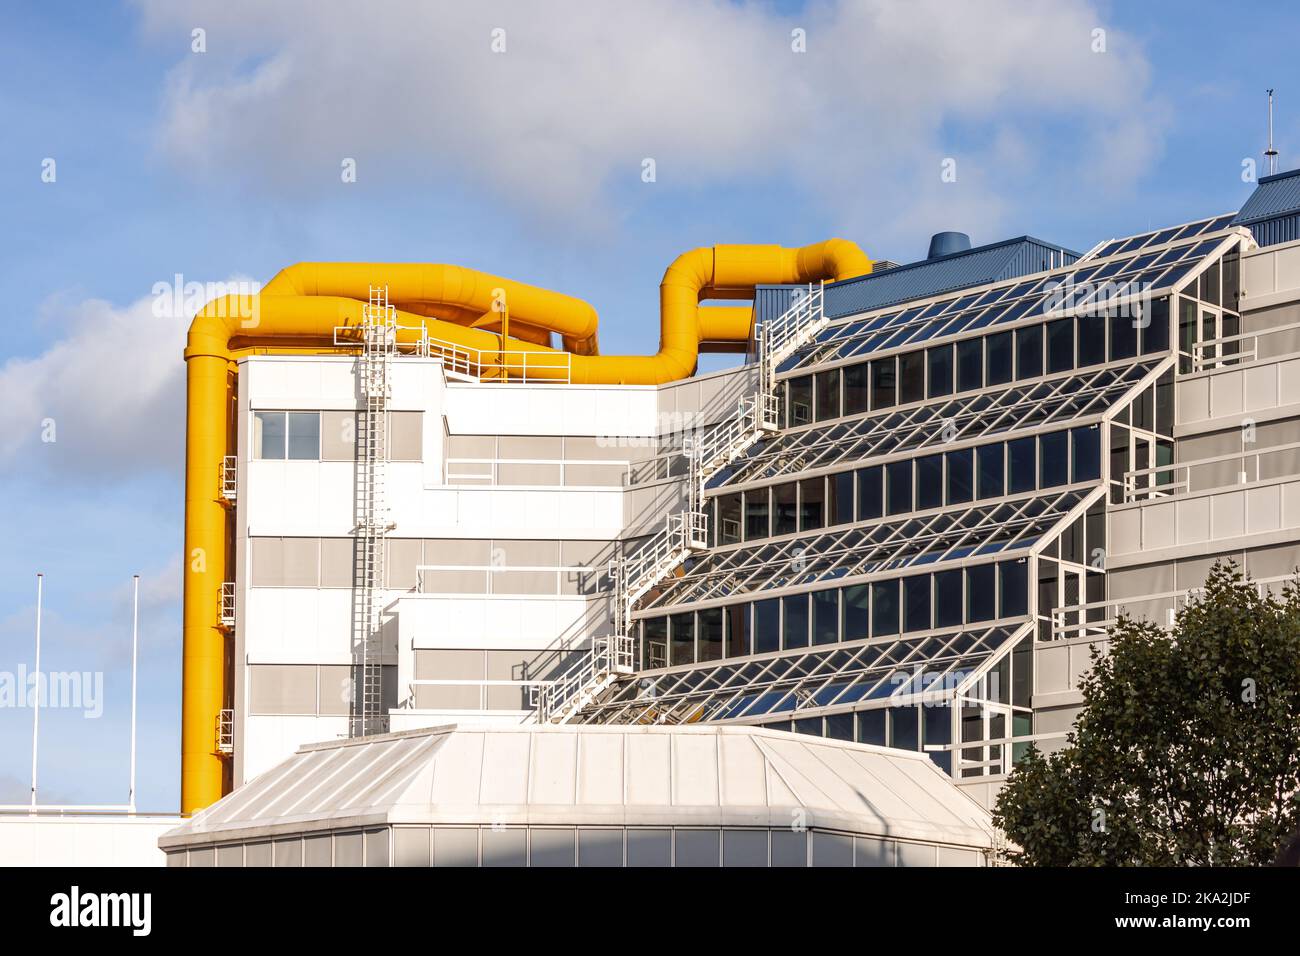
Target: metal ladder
<point>686,532</point>
<point>374,366</point>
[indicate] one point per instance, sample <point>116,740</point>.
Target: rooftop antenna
<point>1270,154</point>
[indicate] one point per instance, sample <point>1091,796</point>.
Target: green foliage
<point>1187,751</point>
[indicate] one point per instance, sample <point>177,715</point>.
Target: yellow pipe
<point>298,310</point>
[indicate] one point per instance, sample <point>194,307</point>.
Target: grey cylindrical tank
<point>946,243</point>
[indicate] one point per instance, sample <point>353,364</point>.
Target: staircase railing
<point>686,532</point>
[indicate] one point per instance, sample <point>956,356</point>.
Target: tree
<point>1187,750</point>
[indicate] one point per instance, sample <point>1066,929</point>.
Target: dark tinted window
<point>855,389</point>
<point>826,616</point>
<point>870,493</point>
<point>842,492</point>
<point>756,509</point>
<point>916,603</point>
<point>980,593</point>
<point>1087,453</point>
<point>1092,339</point>
<point>1123,337</point>
<point>1155,336</point>
<point>960,483</point>
<point>988,460</point>
<point>794,609</point>
<point>940,371</point>
<point>785,514</point>
<point>767,626</point>
<point>884,608</point>
<point>929,482</point>
<point>998,357</point>
<point>828,394</point>
<point>800,400</point>
<point>898,486</point>
<point>1060,345</point>
<point>911,377</point>
<point>947,598</point>
<point>970,364</point>
<point>812,504</point>
<point>1029,351</point>
<point>1013,587</point>
<point>1054,459</point>
<point>884,384</point>
<point>857,604</point>
<point>1020,466</point>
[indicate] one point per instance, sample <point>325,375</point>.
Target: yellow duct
<point>298,310</point>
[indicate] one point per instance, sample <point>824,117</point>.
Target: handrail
<point>1241,355</point>
<point>488,570</point>
<point>226,606</point>
<point>225,731</point>
<point>502,366</point>
<point>492,476</point>
<point>1134,491</point>
<point>229,478</point>
<point>1060,630</point>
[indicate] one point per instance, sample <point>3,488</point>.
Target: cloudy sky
<point>510,137</point>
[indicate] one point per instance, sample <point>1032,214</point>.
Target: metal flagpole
<point>135,648</point>
<point>36,706</point>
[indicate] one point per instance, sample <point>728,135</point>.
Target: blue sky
<point>226,164</point>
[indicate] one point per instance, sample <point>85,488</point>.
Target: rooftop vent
<point>947,243</point>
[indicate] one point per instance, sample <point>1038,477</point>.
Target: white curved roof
<point>592,775</point>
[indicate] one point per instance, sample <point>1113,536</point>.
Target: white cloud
<point>110,392</point>
<point>711,90</point>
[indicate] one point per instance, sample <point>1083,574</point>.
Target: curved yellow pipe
<point>298,310</point>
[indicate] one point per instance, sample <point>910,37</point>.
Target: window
<point>970,364</point>
<point>1054,459</point>
<point>826,616</point>
<point>812,504</point>
<point>800,403</point>
<point>728,519</point>
<point>828,394</point>
<point>980,592</point>
<point>929,482</point>
<point>884,608</point>
<point>916,603</point>
<point>870,493</point>
<point>884,386</point>
<point>904,730</point>
<point>939,361</point>
<point>1013,588</point>
<point>1123,335</point>
<point>756,510</point>
<point>784,508</point>
<point>767,626</point>
<point>959,464</point>
<point>899,487</point>
<point>654,651</point>
<point>855,389</point>
<point>1029,352</point>
<point>711,634</point>
<point>947,598</point>
<point>1091,331</point>
<point>1086,464</point>
<point>1155,334</point>
<point>304,436</point>
<point>794,609</point>
<point>871,727</point>
<point>911,377</point>
<point>681,645</point>
<point>1060,345</point>
<point>840,507</point>
<point>989,462</point>
<point>738,630</point>
<point>998,358</point>
<point>1020,466</point>
<point>268,435</point>
<point>856,606</point>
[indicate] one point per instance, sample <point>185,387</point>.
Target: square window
<point>268,435</point>
<point>304,436</point>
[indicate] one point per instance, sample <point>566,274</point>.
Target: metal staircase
<point>374,368</point>
<point>685,533</point>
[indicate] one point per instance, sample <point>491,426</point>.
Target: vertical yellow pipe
<point>203,665</point>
